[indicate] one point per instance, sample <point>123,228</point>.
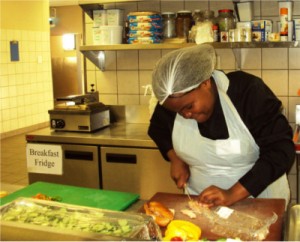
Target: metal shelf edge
<point>218,45</point>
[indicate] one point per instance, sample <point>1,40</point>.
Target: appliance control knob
<point>60,124</point>
<point>57,123</point>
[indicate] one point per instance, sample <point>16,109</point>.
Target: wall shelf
<point>93,52</point>
<point>217,45</point>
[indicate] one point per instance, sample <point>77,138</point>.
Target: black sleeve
<point>260,110</point>
<point>160,129</point>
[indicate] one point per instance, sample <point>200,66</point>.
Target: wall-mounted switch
<point>14,50</point>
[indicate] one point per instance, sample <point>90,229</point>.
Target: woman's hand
<point>213,196</point>
<point>180,171</point>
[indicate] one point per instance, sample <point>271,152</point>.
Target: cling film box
<point>261,29</point>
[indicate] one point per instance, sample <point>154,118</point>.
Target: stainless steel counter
<point>117,134</point>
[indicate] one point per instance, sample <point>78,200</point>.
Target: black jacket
<point>260,110</point>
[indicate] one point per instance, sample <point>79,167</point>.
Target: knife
<point>187,192</point>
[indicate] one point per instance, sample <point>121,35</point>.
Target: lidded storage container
<point>209,15</point>
<point>197,16</point>
<point>184,22</point>
<point>226,21</point>
<point>169,19</point>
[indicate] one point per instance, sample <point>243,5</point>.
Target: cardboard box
<point>261,29</point>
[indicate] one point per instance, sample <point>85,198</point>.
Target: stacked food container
<point>108,26</point>
<point>144,28</point>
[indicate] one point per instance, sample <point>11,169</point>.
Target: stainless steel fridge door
<point>80,168</point>
<point>136,170</point>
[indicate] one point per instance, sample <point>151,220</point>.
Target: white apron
<point>221,162</point>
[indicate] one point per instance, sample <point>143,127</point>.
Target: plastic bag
<point>231,223</point>
<point>153,101</point>
<point>201,33</point>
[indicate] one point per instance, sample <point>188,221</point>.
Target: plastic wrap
<point>231,223</point>
<point>91,223</point>
<point>235,224</point>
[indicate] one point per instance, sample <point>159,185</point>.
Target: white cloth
<point>220,162</point>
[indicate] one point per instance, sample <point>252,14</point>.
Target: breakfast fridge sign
<point>46,159</point>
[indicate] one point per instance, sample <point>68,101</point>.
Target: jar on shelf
<point>209,15</point>
<point>226,21</point>
<point>169,24</point>
<point>197,16</point>
<point>184,21</point>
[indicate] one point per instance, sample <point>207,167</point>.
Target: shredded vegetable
<point>67,219</point>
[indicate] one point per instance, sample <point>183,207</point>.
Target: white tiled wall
<point>25,85</point>
<point>128,71</point>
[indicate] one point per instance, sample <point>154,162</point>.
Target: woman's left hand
<point>214,196</point>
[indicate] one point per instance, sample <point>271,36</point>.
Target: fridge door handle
<point>79,155</point>
<point>121,158</point>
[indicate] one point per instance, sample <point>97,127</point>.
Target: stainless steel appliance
<point>82,113</point>
<point>137,170</point>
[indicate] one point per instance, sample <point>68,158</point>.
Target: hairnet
<point>182,70</point>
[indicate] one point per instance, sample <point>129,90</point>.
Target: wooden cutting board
<point>253,206</point>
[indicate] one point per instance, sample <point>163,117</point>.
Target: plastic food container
<point>115,17</point>
<point>107,35</point>
<point>33,219</point>
<point>100,17</point>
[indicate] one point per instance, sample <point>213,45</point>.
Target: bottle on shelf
<point>284,24</point>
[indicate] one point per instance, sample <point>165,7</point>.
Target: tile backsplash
<point>26,85</point>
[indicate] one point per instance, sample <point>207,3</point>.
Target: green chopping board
<point>89,197</point>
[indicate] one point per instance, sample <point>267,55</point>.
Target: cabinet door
<point>80,168</point>
<point>136,170</point>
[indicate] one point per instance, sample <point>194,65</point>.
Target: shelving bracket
<point>97,57</point>
<point>238,58</point>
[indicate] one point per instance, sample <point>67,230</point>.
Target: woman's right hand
<point>180,171</point>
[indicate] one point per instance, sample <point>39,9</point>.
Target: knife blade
<point>187,192</point>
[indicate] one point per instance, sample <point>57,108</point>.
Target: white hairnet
<point>182,70</point>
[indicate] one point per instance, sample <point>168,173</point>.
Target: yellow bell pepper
<point>186,230</point>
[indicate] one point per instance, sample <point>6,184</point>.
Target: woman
<point>224,135</point>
